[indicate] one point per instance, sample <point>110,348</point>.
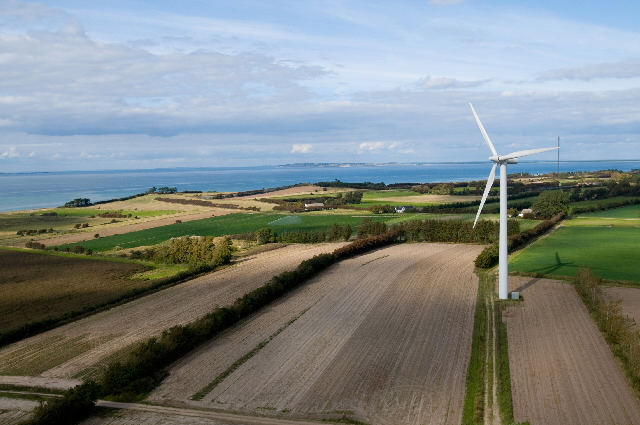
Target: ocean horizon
<point>33,190</point>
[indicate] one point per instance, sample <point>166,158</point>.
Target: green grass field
<point>226,225</point>
<point>611,252</point>
<point>625,212</point>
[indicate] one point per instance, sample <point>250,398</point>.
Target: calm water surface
<point>44,190</point>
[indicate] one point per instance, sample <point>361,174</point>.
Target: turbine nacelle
<point>497,159</point>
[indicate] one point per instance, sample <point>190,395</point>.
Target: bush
<point>76,405</point>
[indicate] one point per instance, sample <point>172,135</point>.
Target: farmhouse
<point>525,211</point>
<point>403,208</point>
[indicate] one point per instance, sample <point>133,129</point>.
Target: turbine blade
<point>484,133</point>
<point>525,153</point>
<point>492,176</point>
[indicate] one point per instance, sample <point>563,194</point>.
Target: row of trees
<point>456,231</point>
<point>78,202</point>
<point>163,189</point>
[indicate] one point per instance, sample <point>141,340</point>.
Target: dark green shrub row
<point>365,185</point>
<point>604,207</point>
<point>363,245</point>
<point>126,198</point>
<point>76,405</point>
<point>300,236</point>
<point>30,232</point>
<point>457,231</point>
<point>489,256</point>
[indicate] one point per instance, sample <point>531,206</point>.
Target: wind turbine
<point>502,160</point>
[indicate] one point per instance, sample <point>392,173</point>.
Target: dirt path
<point>562,370</point>
<point>71,349</point>
<point>384,338</point>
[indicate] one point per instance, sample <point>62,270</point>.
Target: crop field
<point>630,211</point>
<point>40,286</point>
<point>224,225</point>
<point>383,338</point>
<point>407,197</point>
<point>78,348</point>
<point>611,252</point>
<point>562,370</point>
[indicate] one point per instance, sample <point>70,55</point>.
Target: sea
<point>25,191</point>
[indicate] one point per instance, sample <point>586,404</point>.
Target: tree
<point>353,197</point>
<point>550,203</point>
<point>78,202</point>
<point>265,235</point>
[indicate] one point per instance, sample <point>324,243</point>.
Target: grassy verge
<point>474,401</point>
<point>503,372</point>
<point>489,341</point>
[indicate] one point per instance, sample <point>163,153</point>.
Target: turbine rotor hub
<point>498,160</point>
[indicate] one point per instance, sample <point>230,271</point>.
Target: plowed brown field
<point>35,286</point>
<point>69,350</point>
<point>384,338</point>
<point>562,370</point>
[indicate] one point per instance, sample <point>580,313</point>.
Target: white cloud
<point>248,87</point>
<point>371,146</point>
<point>440,83</point>
<point>629,68</point>
<point>10,153</point>
<point>301,148</point>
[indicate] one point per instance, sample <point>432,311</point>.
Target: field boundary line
<point>211,414</point>
<point>218,380</point>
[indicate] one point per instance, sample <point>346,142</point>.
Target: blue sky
<point>150,84</point>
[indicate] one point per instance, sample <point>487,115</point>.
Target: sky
<point>129,84</point>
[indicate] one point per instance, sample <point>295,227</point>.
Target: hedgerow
<point>489,256</point>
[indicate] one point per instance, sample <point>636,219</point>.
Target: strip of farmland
<point>384,338</point>
<point>562,370</point>
<point>75,348</point>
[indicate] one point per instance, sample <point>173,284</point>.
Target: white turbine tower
<point>502,160</point>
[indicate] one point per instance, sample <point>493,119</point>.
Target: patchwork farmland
<point>77,348</point>
<point>384,337</point>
